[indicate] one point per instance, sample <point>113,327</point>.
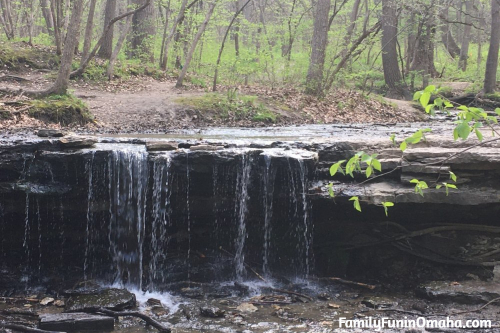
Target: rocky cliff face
<point>147,213</point>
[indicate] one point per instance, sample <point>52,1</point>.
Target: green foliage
<point>231,106</point>
<point>386,206</point>
<point>61,109</point>
<point>420,186</point>
<point>356,204</point>
<point>17,57</point>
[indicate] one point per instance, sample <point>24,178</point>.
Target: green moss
<point>231,105</point>
<point>494,96</point>
<point>15,57</point>
<point>62,109</point>
<point>5,115</point>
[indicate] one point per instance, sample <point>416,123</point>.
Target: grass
<point>62,109</point>
<point>231,105</point>
<point>14,57</point>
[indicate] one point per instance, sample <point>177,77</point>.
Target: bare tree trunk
<point>490,77</point>
<point>118,47</point>
<point>7,19</point>
<point>314,80</point>
<point>464,52</point>
<point>88,30</point>
<point>350,28</point>
<point>446,37</point>
<point>107,44</point>
<point>60,87</point>
<point>214,86</point>
<point>44,4</point>
<point>55,10</point>
<point>143,32</point>
<point>392,74</point>
<point>165,34</point>
<point>200,32</point>
<point>179,19</point>
<point>237,31</point>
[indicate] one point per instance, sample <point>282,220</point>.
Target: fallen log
<point>150,321</point>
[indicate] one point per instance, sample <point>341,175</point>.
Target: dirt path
<point>145,104</point>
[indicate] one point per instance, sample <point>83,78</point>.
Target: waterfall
<point>128,175</point>
<point>188,216</point>
<point>267,196</point>
<point>89,168</point>
<point>242,183</point>
<point>160,217</point>
<point>305,215</point>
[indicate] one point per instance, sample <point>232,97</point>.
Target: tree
<point>143,32</point>
<point>200,32</point>
<point>490,77</point>
<point>107,44</point>
<point>446,37</point>
<point>392,74</point>
<point>464,52</point>
<point>88,30</point>
<point>314,80</point>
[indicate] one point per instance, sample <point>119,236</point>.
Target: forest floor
<point>138,104</point>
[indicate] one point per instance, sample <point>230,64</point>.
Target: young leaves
<point>414,139</point>
<point>420,185</point>
<point>386,206</point>
<point>357,206</point>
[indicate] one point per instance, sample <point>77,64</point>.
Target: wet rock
<point>247,307</point>
<point>153,302</point>
<point>333,306</point>
<point>50,133</point>
<point>77,142</point>
<point>47,301</point>
<point>206,147</point>
<point>376,302</point>
<point>467,292</point>
<point>69,322</point>
<point>113,299</point>
<point>212,312</point>
<point>59,303</point>
<point>162,146</point>
<point>160,311</point>
<point>195,293</point>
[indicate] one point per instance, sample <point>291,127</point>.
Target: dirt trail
<point>149,105</point>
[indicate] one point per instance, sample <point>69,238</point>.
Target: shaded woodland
<point>391,47</point>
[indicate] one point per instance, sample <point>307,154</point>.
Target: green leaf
<point>463,130</point>
<point>430,88</point>
<point>393,138</point>
<point>369,171</point>
<point>497,111</point>
<point>417,95</point>
<point>334,168</point>
<point>386,205</point>
<point>429,108</point>
<point>403,145</point>
<point>330,190</point>
<point>453,176</point>
<point>479,135</point>
<point>438,186</point>
<point>463,108</point>
<point>357,206</point>
<point>447,104</point>
<point>414,181</point>
<point>425,98</point>
<point>377,165</point>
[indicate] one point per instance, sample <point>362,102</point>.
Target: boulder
<point>50,133</point>
<point>161,146</point>
<point>77,142</point>
<point>212,312</point>
<point>113,299</point>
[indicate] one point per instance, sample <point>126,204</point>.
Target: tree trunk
<point>88,30</point>
<point>214,85</point>
<point>464,52</point>
<point>237,31</point>
<point>350,28</point>
<point>189,56</point>
<point>55,11</point>
<point>446,37</point>
<point>165,35</point>
<point>107,44</point>
<point>118,47</point>
<point>392,74</point>
<point>314,80</point>
<point>179,19</point>
<point>143,32</point>
<point>490,77</point>
<point>44,4</point>
<point>7,19</point>
<point>60,87</point>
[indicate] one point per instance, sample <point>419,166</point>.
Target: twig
<point>348,282</point>
<point>291,293</point>
<point>270,302</point>
<point>478,309</point>
<point>150,321</point>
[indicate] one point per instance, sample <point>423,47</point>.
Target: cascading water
<point>242,197</point>
<point>150,219</point>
